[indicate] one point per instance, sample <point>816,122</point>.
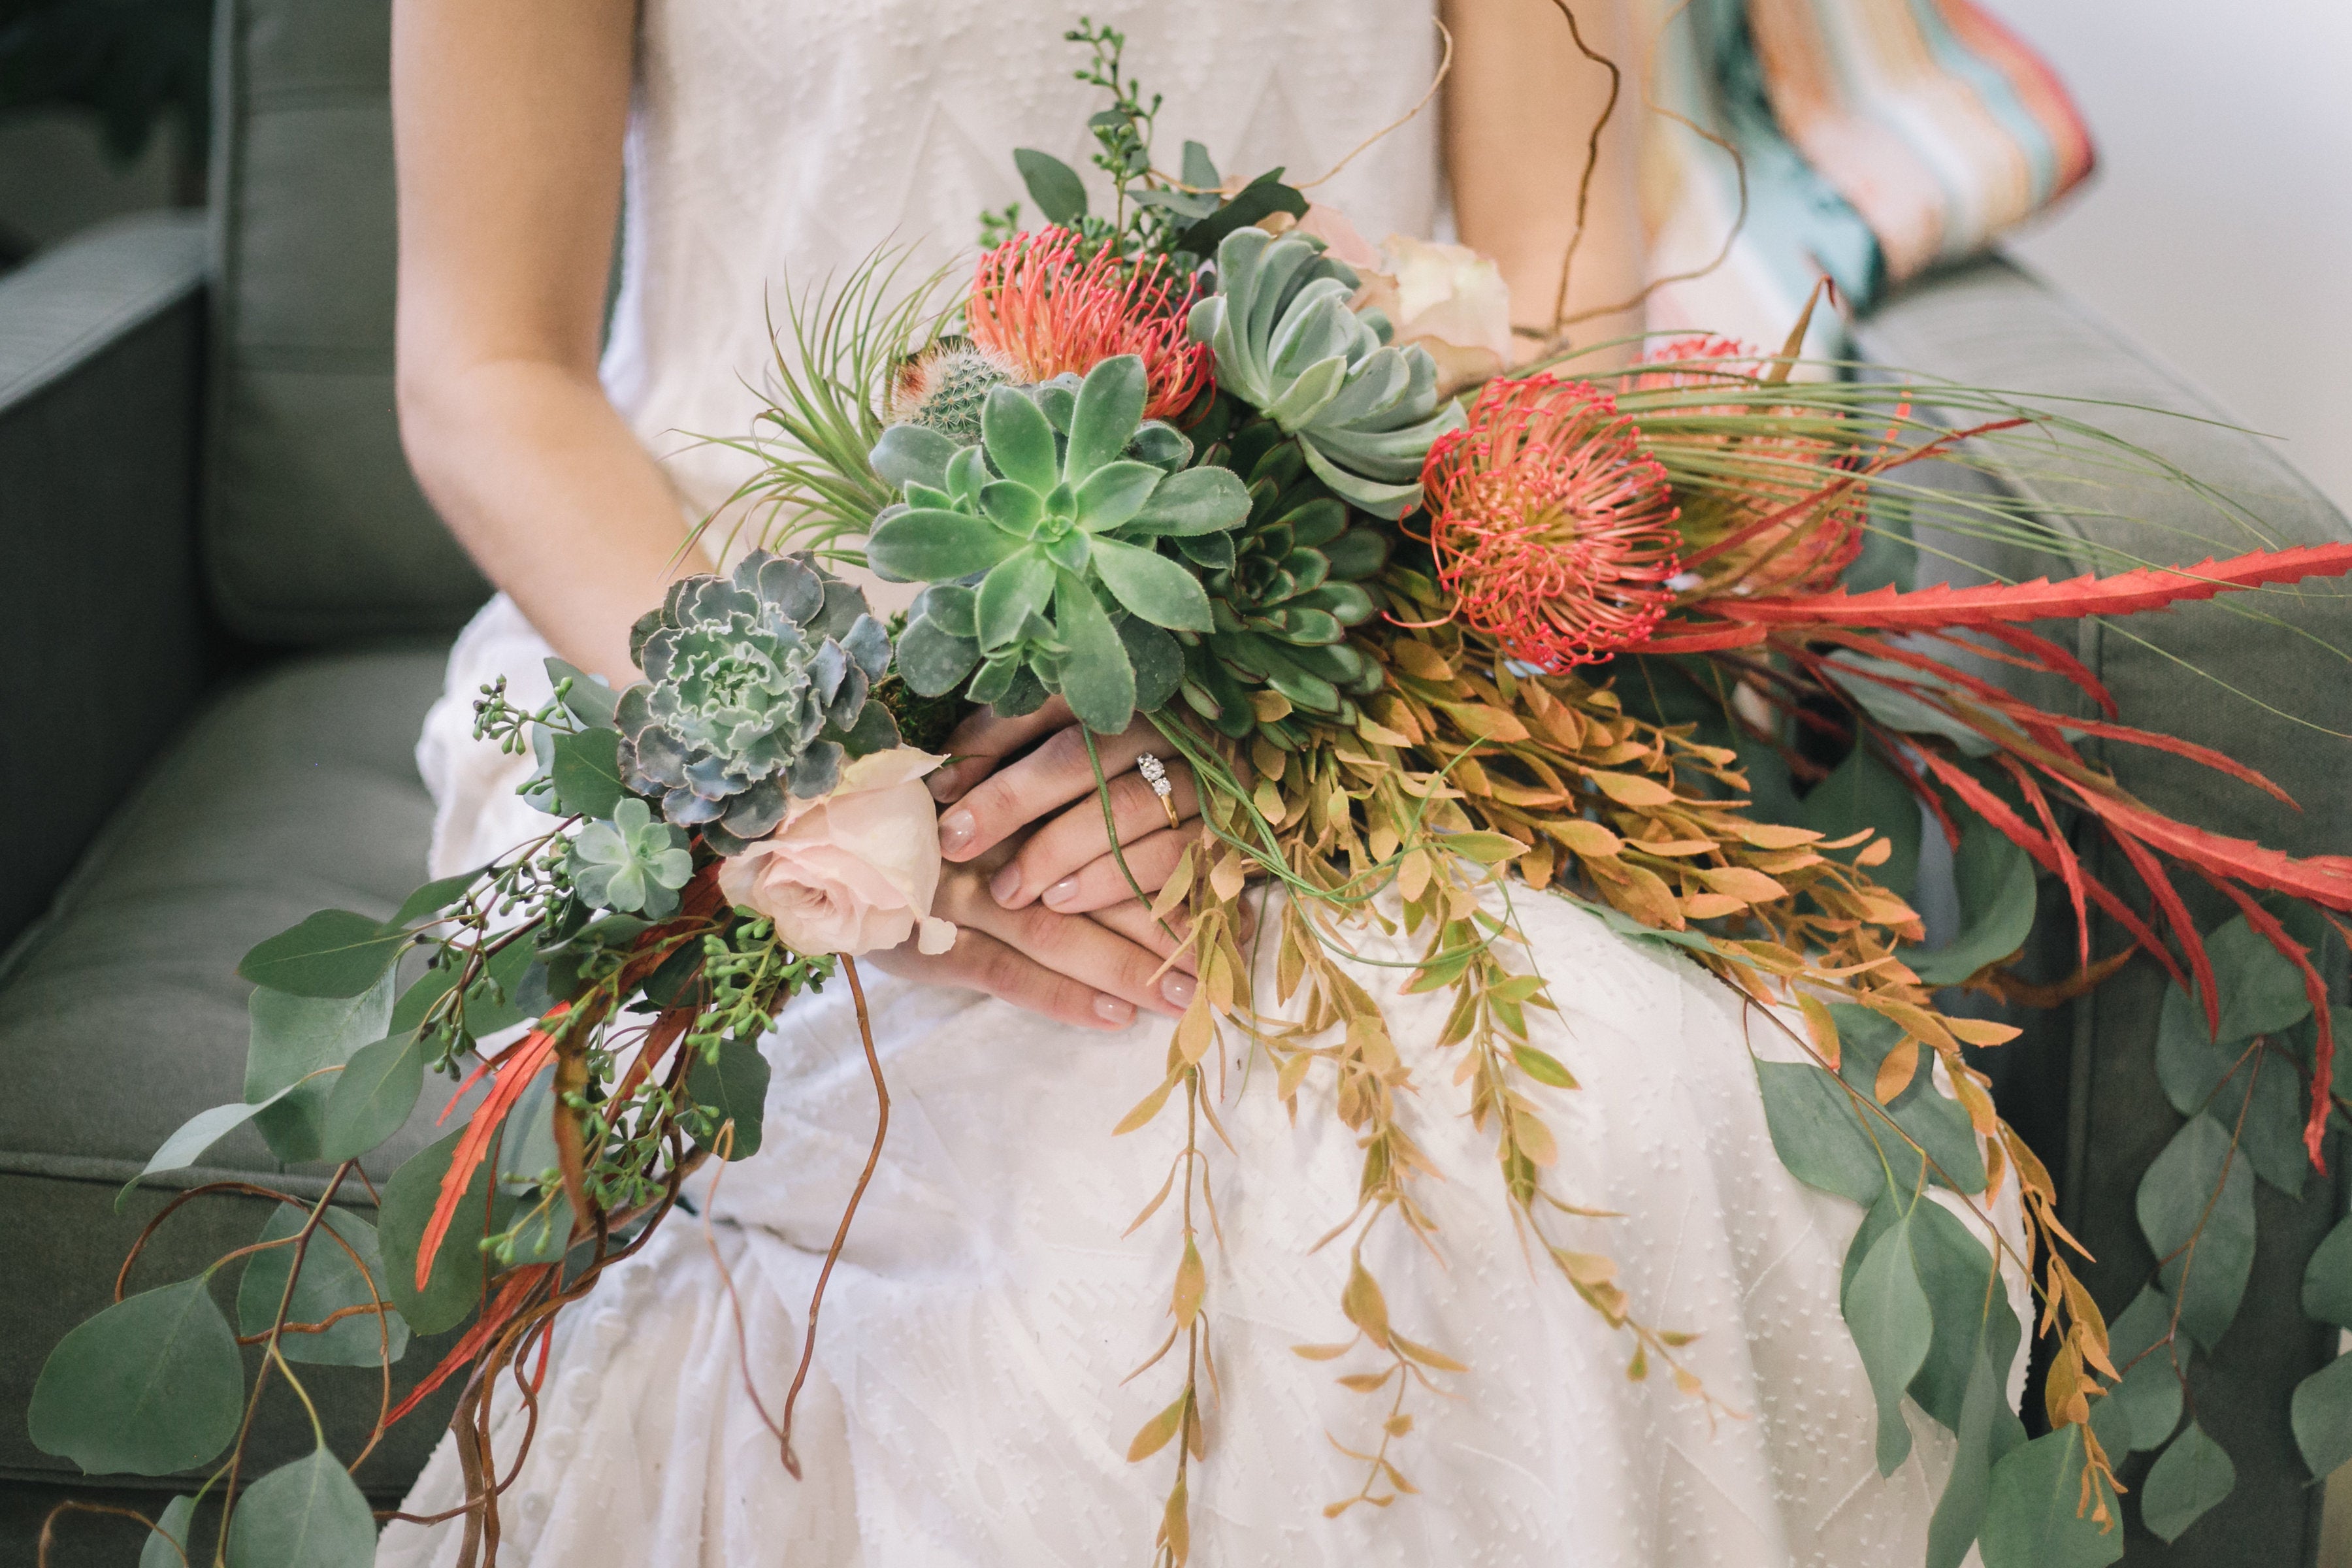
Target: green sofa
<point>225,613</point>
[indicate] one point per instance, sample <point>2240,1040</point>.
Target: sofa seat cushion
<point>121,1014</point>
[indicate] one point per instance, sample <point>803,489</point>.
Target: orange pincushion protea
<point>1035,303</point>
<point>1552,529</point>
<point>1794,523</point>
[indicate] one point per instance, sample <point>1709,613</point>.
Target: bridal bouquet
<point>1430,633</point>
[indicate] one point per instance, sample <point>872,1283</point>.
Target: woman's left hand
<point>1065,862</point>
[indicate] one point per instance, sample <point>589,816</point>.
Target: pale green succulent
<point>754,692</point>
<point>631,865</point>
<point>1286,344</point>
<point>1041,545</point>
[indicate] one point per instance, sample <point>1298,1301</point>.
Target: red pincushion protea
<point>1552,529</point>
<point>1792,522</point>
<point>1037,304</point>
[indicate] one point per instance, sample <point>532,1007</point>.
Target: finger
<point>1057,773</point>
<point>978,962</point>
<point>1098,883</point>
<point>983,741</point>
<point>1132,920</point>
<point>1075,837</point>
<point>1073,945</point>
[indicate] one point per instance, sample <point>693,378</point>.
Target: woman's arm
<point>508,119</point>
<point>1519,109</point>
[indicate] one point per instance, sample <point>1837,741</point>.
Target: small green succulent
<point>1041,544</point>
<point>1288,344</point>
<point>755,690</point>
<point>633,864</point>
<point>1284,589</point>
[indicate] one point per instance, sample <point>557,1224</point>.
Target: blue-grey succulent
<point>1365,412</point>
<point>754,692</point>
<point>1041,544</point>
<point>633,864</point>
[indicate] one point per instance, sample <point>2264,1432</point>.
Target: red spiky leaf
<point>515,1069</point>
<point>2123,593</point>
<point>494,1316</point>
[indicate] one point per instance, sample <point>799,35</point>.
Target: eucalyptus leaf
<point>434,897</point>
<point>1899,710</point>
<point>1994,878</point>
<point>456,1273</point>
<point>2327,1278</point>
<point>2195,1206</point>
<point>1926,1115</point>
<point>1971,1311</point>
<point>591,698</point>
<point>308,1513</point>
<point>151,1386</point>
<point>587,771</point>
<point>1816,1132</point>
<point>294,1038</point>
<point>371,1097</point>
<point>734,1086</point>
<point>1889,1317</point>
<point>199,1132</point>
<point>2148,1397</point>
<point>1987,1433</point>
<point>332,953</point>
<point>1054,185</point>
<point>2030,1510</point>
<point>2322,1415</point>
<point>2261,992</point>
<point>328,1283</point>
<point>1863,792</point>
<point>2189,1478</point>
<point>171,1543</point>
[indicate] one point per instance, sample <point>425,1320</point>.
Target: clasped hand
<point>1045,918</point>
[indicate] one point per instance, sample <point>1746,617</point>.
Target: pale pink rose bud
<point>856,870</point>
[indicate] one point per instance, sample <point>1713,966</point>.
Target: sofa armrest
<point>2082,1084</point>
<point>102,633</point>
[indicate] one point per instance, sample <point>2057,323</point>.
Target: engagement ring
<point>1155,774</point>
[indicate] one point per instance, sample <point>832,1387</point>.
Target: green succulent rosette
<point>1284,590</point>
<point>1042,544</point>
<point>633,864</point>
<point>1286,344</point>
<point>755,691</point>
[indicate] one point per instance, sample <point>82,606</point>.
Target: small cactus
<point>944,388</point>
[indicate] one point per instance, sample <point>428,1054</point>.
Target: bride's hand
<point>1045,919</point>
<point>1064,862</point>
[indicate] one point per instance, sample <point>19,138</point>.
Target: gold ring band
<point>1155,774</point>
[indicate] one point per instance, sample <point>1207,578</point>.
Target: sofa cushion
<point>315,528</point>
<point>121,1013</point>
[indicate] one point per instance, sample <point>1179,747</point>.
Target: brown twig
<point>840,1235</point>
<point>1591,161</point>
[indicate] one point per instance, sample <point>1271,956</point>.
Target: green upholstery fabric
<point>315,530</point>
<point>98,376</point>
<point>121,1013</point>
<point>2083,1082</point>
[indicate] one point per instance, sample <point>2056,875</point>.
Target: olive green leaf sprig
<point>1041,544</point>
<point>755,691</point>
<point>1365,411</point>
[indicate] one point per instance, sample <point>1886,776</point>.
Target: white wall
<point>2216,232</point>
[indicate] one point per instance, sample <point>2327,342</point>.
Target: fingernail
<point>955,829</point>
<point>942,782</point>
<point>1005,885</point>
<point>1177,987</point>
<point>1061,892</point>
<point>1115,1011</point>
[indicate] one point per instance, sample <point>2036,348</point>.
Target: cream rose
<point>855,871</point>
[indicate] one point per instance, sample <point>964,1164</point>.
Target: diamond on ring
<point>1155,774</point>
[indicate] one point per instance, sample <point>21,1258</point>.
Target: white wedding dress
<point>967,1405</point>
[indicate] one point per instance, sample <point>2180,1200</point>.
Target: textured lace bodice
<point>776,142</point>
